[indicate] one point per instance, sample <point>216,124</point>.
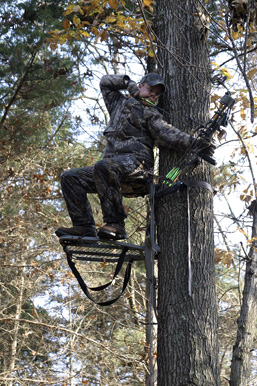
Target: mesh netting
<point>91,249</point>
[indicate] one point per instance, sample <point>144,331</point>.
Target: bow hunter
<point>135,127</point>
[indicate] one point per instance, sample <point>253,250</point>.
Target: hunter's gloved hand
<point>132,88</point>
<point>203,147</point>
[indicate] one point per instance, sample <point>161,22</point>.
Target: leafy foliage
<point>115,21</point>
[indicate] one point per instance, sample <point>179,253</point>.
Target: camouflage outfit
<point>134,129</point>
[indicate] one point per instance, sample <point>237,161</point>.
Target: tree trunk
<point>187,325</point>
<point>242,351</point>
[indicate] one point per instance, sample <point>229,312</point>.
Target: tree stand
<point>109,251</point>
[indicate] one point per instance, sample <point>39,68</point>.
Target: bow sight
<point>220,118</point>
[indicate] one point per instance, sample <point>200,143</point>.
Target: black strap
<point>85,288</point>
<point>199,184</point>
<point>160,192</point>
<point>180,185</point>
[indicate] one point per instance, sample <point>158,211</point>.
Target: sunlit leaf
<point>85,33</point>
<point>245,197</point>
<point>148,3</point>
<point>69,9</point>
<point>224,257</point>
<point>66,24</point>
<point>225,72</point>
<point>151,53</point>
<point>95,31</point>
<point>76,20</point>
<point>103,34</point>
<point>235,34</point>
<point>244,233</point>
<point>251,73</point>
<point>113,4</point>
<point>242,114</point>
<point>110,19</point>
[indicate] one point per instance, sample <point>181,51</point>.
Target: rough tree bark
<point>187,325</point>
<point>242,350</point>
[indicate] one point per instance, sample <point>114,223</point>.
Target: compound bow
<point>193,155</point>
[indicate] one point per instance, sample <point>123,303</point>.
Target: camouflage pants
<point>104,179</point>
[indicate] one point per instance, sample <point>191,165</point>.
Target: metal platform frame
<point>103,250</point>
<point>93,249</point>
<point>99,250</point>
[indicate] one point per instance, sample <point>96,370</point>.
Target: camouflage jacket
<point>135,128</point>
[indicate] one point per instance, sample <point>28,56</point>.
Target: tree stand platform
<point>99,250</point>
<point>93,249</point>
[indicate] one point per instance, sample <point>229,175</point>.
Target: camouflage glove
<point>131,86</point>
<point>204,148</point>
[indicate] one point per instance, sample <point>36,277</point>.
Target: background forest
<point>52,57</point>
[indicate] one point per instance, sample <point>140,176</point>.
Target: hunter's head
<point>151,87</point>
